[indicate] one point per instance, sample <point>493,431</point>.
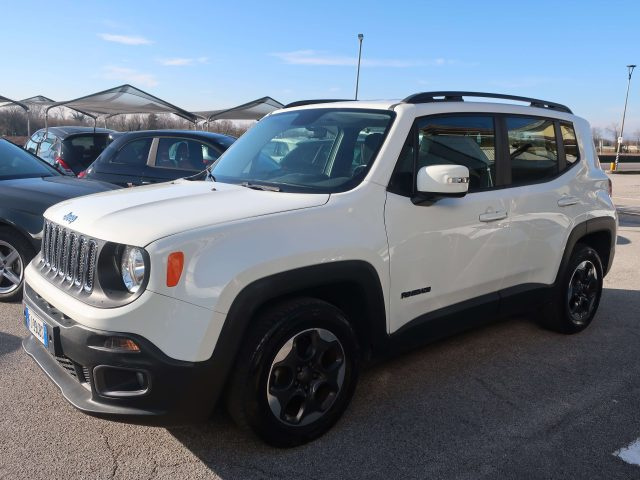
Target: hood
<point>140,215</point>
<point>35,195</point>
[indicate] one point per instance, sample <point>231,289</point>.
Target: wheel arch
<point>597,233</point>
<point>353,286</point>
<point>15,221</point>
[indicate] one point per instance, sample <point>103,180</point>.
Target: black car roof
<point>73,130</point>
<point>182,133</point>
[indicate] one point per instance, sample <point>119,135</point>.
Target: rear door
<point>541,198</point>
<point>126,165</point>
<point>177,157</point>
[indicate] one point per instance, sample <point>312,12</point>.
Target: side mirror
<point>437,181</point>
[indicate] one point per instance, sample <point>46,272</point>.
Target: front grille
<point>69,257</point>
<point>77,371</point>
<point>68,365</point>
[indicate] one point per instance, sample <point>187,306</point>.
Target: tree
<point>77,117</point>
<point>614,132</point>
<point>596,133</point>
<point>152,122</point>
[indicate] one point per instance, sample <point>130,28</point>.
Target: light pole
<point>614,166</point>
<point>360,37</point>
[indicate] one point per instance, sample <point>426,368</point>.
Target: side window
<point>209,155</point>
<point>31,146</point>
<point>45,146</point>
<point>571,151</point>
<point>402,180</point>
<point>460,140</point>
<point>532,148</point>
<point>184,154</point>
<point>134,153</point>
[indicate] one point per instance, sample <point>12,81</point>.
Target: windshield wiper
<point>255,186</point>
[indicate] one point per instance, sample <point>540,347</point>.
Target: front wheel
<point>15,255</point>
<point>578,292</point>
<point>296,374</point>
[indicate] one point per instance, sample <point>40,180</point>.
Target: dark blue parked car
<point>139,158</point>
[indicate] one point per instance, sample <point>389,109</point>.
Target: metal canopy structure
<point>253,110</point>
<point>123,100</point>
<point>7,102</point>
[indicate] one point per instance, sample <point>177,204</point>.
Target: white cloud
<point>125,39</point>
<point>129,75</point>
<point>314,57</point>
<point>182,62</point>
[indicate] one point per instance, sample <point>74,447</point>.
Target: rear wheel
<point>296,374</point>
<point>15,255</point>
<point>578,292</point>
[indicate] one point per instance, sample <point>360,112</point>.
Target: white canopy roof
<point>254,110</point>
<point>124,99</point>
<point>38,100</point>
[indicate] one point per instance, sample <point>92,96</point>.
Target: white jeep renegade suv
<point>270,280</point>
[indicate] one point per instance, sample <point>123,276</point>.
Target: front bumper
<point>176,392</point>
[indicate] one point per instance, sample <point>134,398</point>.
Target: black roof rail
<point>428,97</point>
<point>300,103</point>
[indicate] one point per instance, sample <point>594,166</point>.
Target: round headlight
<point>132,268</point>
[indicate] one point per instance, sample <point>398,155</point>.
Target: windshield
<point>316,150</point>
<point>16,163</point>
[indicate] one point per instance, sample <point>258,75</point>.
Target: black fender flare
<point>280,285</point>
<point>600,224</point>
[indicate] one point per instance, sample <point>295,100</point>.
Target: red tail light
<point>82,174</point>
<point>63,164</point>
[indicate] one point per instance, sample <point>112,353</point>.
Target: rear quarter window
<point>571,150</point>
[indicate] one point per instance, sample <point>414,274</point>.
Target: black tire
<point>12,271</point>
<point>577,292</point>
<point>301,386</point>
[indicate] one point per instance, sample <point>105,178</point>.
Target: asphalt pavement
<point>509,400</point>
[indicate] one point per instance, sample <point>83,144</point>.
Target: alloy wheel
<point>11,268</point>
<point>583,292</point>
<point>306,377</point>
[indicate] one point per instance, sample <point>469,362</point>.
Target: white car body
<point>427,258</point>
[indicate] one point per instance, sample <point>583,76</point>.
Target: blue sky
<point>206,55</point>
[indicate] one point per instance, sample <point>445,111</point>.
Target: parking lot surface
<point>509,400</point>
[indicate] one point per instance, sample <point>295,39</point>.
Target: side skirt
<point>463,316</point>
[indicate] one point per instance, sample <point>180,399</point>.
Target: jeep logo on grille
<point>70,217</point>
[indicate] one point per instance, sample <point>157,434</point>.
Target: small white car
<point>271,283</point>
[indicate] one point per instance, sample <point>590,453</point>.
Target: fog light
<point>120,382</point>
<point>121,344</point>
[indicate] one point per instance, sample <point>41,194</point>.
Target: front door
<point>455,249</point>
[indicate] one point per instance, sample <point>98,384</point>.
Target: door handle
<point>492,216</point>
<point>567,201</point>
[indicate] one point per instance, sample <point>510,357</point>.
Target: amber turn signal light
<point>121,344</point>
<point>175,262</point>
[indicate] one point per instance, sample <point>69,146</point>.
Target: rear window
<point>84,149</point>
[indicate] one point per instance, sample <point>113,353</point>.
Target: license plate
<point>37,327</point>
